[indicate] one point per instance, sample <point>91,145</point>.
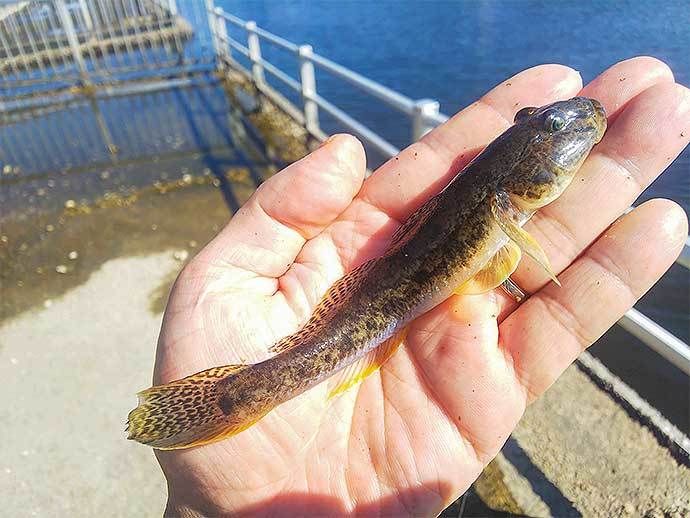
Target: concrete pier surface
<point>82,342</point>
<point>69,373</point>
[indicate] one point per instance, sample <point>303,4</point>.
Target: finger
<point>646,136</point>
<point>454,349</point>
<point>267,233</point>
<point>547,333</point>
<point>620,83</point>
<point>403,183</point>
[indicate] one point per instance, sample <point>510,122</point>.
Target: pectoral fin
<point>356,372</point>
<point>497,270</point>
<point>507,215</point>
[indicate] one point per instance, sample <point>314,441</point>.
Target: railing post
<point>68,26</point>
<point>254,47</point>
<point>308,83</point>
<point>211,13</point>
<point>105,132</point>
<point>222,34</point>
<point>423,110</point>
<point>88,22</point>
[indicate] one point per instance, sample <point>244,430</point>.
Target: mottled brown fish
<point>467,239</point>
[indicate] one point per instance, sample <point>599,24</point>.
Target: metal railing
<point>45,44</point>
<point>423,115</point>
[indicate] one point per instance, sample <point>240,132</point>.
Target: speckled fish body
<point>449,243</point>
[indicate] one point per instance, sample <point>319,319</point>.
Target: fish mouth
<point>599,119</point>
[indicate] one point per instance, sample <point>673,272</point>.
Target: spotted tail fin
<point>183,413</point>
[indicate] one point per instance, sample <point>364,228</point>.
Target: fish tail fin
<point>183,413</point>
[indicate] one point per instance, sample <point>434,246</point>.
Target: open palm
<point>413,436</point>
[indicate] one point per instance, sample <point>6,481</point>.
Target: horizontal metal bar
<point>143,88</point>
<point>262,33</point>
<point>233,19</point>
<point>279,74</point>
<point>276,40</point>
<point>667,345</point>
<point>670,436</point>
<point>356,127</point>
<point>236,46</point>
<point>392,98</point>
<point>436,119</point>
<point>108,91</point>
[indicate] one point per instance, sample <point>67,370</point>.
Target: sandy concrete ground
<point>583,453</point>
<point>576,452</point>
<point>69,375</point>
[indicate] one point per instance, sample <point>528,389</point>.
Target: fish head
<point>553,142</point>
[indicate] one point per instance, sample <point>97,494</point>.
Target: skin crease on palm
<point>412,437</point>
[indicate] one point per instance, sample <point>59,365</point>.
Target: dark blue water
<point>456,51</point>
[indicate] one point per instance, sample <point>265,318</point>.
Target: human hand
<point>413,436</point>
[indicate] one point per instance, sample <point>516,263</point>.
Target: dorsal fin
<point>340,290</point>
<point>336,295</point>
<point>416,219</point>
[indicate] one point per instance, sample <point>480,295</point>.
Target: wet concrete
<point>89,247</point>
<point>584,454</point>
<point>576,452</point>
<point>77,342</point>
<point>44,256</point>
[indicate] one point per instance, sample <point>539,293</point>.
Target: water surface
<point>456,51</point>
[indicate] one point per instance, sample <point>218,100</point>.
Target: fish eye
<point>555,121</point>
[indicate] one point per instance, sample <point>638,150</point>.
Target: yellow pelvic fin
<point>184,413</point>
<point>506,216</point>
<point>356,372</point>
<point>335,297</point>
<point>497,270</point>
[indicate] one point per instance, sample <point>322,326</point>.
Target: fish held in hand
<point>467,239</point>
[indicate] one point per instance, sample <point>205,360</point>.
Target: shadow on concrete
<point>660,383</point>
<point>541,485</point>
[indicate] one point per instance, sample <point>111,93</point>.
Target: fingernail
<point>327,141</point>
<point>564,87</point>
<point>675,226</point>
